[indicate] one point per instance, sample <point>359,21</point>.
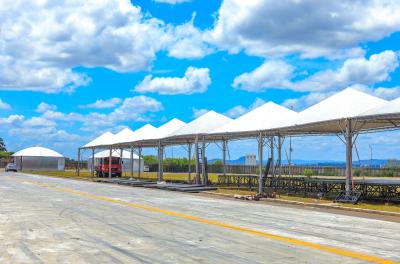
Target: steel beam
<point>160,162</point>
<point>189,163</point>
<point>280,155</point>
<point>196,144</point>
<point>349,156</point>
<point>110,163</point>
<point>132,162</point>
<point>77,165</point>
<point>203,164</point>
<point>272,167</point>
<point>140,158</point>
<point>260,164</point>
<point>224,148</point>
<point>92,167</point>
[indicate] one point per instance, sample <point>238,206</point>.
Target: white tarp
<point>390,107</point>
<point>206,123</point>
<point>145,132</point>
<point>168,128</point>
<point>269,115</point>
<point>103,139</point>
<point>344,104</point>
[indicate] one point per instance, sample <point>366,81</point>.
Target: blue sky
<point>72,70</point>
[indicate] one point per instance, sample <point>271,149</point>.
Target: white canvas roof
<point>390,107</point>
<point>204,124</point>
<point>269,115</point>
<point>144,132</point>
<point>37,152</point>
<point>344,104</point>
<point>124,135</point>
<point>103,139</point>
<point>168,128</point>
<point>115,153</point>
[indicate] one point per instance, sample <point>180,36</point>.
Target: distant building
<point>250,160</point>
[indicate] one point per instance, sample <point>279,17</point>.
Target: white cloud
<point>44,107</point>
<point>39,122</point>
<point>135,108</point>
<point>43,43</point>
<point>353,71</point>
<point>4,105</point>
<point>11,120</point>
<point>279,74</point>
<point>305,101</point>
<point>239,110</point>
<point>196,80</point>
<point>188,42</point>
<point>382,92</point>
<point>171,2</point>
<point>312,28</point>
<point>101,104</point>
<point>275,73</point>
<point>387,93</point>
<point>199,112</point>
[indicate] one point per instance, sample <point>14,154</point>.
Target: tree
<point>2,145</point>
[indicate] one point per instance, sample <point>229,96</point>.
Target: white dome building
<point>38,158</point>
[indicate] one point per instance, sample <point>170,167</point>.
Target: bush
<point>308,172</point>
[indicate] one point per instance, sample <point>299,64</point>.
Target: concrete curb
<point>326,206</point>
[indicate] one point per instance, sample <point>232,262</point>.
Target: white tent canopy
<point>327,116</point>
<point>269,115</point>
<point>168,128</point>
<point>37,152</point>
<point>390,107</point>
<point>205,123</point>
<point>344,104</point>
<point>101,140</point>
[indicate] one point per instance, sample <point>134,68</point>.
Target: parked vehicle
<point>11,167</point>
<point>102,167</point>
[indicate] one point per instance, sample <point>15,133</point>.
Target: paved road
<point>51,220</point>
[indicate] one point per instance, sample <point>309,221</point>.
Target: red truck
<point>102,167</point>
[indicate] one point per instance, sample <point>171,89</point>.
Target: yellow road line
<point>294,241</point>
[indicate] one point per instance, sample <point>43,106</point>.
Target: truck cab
<point>102,167</point>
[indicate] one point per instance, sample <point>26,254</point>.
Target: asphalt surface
<point>54,220</point>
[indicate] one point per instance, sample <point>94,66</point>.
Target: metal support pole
<point>224,148</point>
<point>110,163</point>
<point>160,162</point>
<point>140,160</point>
<point>189,163</point>
<point>280,156</point>
<point>290,156</point>
<point>78,164</point>
<point>272,157</point>
<point>260,164</point>
<point>203,165</point>
<point>121,161</point>
<point>92,167</point>
<point>196,156</point>
<point>349,156</point>
<point>131,162</point>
